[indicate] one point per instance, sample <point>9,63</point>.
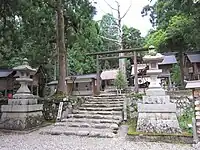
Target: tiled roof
<point>84,76</point>
<point>5,72</point>
<point>194,58</point>
<point>77,77</point>
<point>170,59</point>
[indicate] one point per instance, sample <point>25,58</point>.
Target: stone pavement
<point>36,141</point>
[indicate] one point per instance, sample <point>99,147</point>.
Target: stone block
<point>22,101</point>
<point>114,126</point>
<point>153,72</point>
<point>156,99</point>
<point>155,92</point>
<point>21,121</point>
<point>197,102</point>
<point>157,124</point>
<point>83,133</point>
<point>94,134</point>
<point>198,123</point>
<point>157,108</point>
<point>21,108</point>
<point>197,108</point>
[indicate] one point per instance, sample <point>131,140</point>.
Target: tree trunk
<point>181,68</point>
<point>135,71</point>
<point>61,88</point>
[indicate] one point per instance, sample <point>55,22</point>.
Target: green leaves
<point>131,37</point>
<point>120,81</point>
<point>156,38</point>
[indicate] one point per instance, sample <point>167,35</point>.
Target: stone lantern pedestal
<point>22,112</point>
<point>156,114</point>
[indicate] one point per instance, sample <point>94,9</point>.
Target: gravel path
<point>35,141</point>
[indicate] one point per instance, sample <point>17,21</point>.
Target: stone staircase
<point>97,117</point>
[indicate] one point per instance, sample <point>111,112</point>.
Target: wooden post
<point>170,83</point>
<point>38,90</point>
<point>135,71</point>
<point>98,75</point>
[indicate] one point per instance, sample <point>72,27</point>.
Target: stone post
<point>197,114</point>
<point>22,112</point>
<point>195,85</point>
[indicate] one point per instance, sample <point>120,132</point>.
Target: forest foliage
<point>28,29</point>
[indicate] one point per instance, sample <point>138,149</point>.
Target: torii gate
<point>97,54</point>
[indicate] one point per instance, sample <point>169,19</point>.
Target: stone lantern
<point>22,112</point>
<point>156,113</point>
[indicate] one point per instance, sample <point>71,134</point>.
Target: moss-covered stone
<point>184,137</point>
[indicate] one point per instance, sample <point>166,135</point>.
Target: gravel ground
<point>35,141</point>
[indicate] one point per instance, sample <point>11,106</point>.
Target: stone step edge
<point>80,133</point>
<point>96,112</point>
<point>101,106</point>
<point>117,117</point>
<point>91,120</point>
<point>104,108</point>
<point>112,126</point>
<point>106,102</point>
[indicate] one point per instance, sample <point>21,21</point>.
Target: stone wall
<point>50,106</point>
<point>182,103</point>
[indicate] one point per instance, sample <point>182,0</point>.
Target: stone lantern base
<point>21,117</point>
<point>157,118</point>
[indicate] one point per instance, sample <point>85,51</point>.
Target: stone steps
<point>106,98</point>
<point>102,105</point>
<point>92,120</point>
<point>97,112</point>
<point>198,124</point>
<point>101,108</point>
<point>104,102</point>
<point>95,116</point>
<point>90,132</point>
<point>112,126</point>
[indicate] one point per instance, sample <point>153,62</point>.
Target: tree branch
<point>50,4</point>
<point>126,11</point>
<point>117,42</point>
<point>110,5</point>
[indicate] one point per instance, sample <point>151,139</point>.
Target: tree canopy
<point>176,27</point>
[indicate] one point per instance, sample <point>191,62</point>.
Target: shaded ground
<point>35,141</point>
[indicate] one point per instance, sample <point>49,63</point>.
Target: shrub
<point>120,81</point>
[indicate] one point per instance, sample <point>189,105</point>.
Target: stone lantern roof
<point>25,67</point>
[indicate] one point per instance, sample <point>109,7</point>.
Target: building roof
<point>76,77</point>
<point>168,59</point>
<point>5,72</point>
<point>84,76</point>
<point>193,58</point>
<point>109,74</point>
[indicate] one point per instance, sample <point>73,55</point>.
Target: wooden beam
<point>119,51</point>
<point>117,57</point>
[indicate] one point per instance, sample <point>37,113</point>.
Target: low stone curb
<point>161,138</point>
